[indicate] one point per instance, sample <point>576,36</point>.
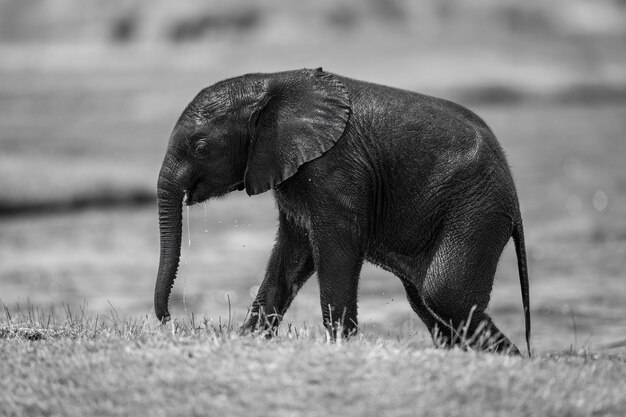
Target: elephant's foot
<point>480,335</point>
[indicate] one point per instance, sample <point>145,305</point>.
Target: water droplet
<point>188,227</point>
<point>254,290</point>
<point>600,200</point>
<point>565,309</point>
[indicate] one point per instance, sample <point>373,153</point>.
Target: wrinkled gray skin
<point>360,172</point>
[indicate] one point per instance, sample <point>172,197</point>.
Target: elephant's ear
<point>301,116</point>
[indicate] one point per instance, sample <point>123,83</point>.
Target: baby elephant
<point>361,172</point>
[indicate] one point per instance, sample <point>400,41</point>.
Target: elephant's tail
<point>522,266</point>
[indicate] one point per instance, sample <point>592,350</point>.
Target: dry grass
<point>102,365</point>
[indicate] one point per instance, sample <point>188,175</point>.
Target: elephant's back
<point>371,99</point>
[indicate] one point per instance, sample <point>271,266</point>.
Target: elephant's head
<point>250,132</point>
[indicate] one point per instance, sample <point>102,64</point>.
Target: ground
<point>82,366</point>
<point>83,130</point>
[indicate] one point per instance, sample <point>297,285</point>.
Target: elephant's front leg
<point>289,267</point>
<point>338,258</point>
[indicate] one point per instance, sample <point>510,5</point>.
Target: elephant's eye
<point>202,149</point>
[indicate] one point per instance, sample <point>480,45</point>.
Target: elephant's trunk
<point>170,198</point>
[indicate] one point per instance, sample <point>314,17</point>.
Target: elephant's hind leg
<point>454,329</point>
<point>457,289</point>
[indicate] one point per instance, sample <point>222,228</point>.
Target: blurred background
<point>89,92</point>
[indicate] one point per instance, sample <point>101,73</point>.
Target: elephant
<point>414,184</point>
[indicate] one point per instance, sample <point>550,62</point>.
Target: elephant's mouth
<point>199,192</point>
